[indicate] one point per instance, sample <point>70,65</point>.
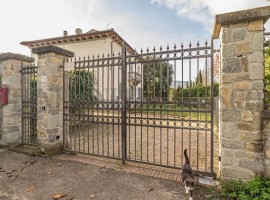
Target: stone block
<point>254,155</point>
<point>266,172</point>
<point>242,48</point>
<point>256,57</point>
<point>255,94</point>
<point>232,144</point>
<point>267,153</point>
<point>226,96</point>
<point>230,115</point>
<point>254,105</point>
<point>227,78</point>
<point>227,161</point>
<point>251,164</point>
<point>231,65</point>
<point>244,63</point>
<point>224,34</point>
<point>245,125</point>
<point>229,130</point>
<point>238,33</point>
<point>242,86</point>
<point>240,154</point>
<point>256,25</point>
<point>237,173</point>
<point>256,146</point>
<point>247,116</point>
<point>52,148</point>
<point>242,76</point>
<point>251,135</point>
<point>257,85</point>
<point>240,95</point>
<point>228,50</point>
<point>257,44</point>
<point>227,153</point>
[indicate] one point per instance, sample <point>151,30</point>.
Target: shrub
<point>256,189</point>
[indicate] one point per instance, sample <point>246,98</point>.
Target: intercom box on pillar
<point>4,95</point>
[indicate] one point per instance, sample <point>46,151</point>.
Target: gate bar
<point>212,106</point>
<point>124,99</point>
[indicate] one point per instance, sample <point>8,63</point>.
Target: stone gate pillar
<point>241,91</point>
<point>10,114</point>
<point>50,96</point>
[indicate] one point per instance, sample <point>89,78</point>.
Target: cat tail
<point>186,156</point>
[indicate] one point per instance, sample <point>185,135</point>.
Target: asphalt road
<point>24,177</point>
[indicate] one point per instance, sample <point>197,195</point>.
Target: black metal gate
<point>144,107</point>
<point>29,104</point>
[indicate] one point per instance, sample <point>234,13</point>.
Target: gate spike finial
<point>182,46</point>
<point>160,48</point>
<point>206,43</point>
<point>190,45</point>
<point>154,49</point>
<point>168,47</point>
<point>198,43</point>
<point>108,55</point>
<point>98,56</point>
<point>174,46</point>
<point>147,50</point>
<point>141,50</point>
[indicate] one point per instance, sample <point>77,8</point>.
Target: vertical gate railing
<point>29,104</point>
<point>145,107</point>
<point>170,106</point>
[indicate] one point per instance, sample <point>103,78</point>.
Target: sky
<point>142,23</point>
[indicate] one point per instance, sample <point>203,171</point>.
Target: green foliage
<point>198,91</point>
<point>198,79</point>
<point>256,189</point>
<point>157,78</point>
<point>82,86</point>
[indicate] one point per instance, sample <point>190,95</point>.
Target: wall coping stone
<point>52,49</point>
<point>7,56</point>
<point>240,16</point>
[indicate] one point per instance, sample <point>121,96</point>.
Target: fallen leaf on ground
<point>58,196</point>
<point>49,173</point>
<point>71,198</point>
<point>30,189</point>
<point>92,196</point>
<point>151,189</point>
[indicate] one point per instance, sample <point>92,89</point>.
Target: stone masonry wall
<point>50,101</point>
<point>241,96</point>
<point>10,119</point>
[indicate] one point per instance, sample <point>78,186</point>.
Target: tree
<point>157,78</point>
<point>199,79</point>
<point>82,86</point>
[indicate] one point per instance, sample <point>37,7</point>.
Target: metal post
<point>124,98</point>
<point>212,106</point>
<point>22,119</point>
<point>64,98</point>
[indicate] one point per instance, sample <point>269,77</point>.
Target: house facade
<point>94,44</point>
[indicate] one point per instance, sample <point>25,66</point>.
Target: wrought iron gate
<point>144,107</point>
<point>29,104</point>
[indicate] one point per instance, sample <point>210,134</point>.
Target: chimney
<point>65,33</point>
<point>78,31</point>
